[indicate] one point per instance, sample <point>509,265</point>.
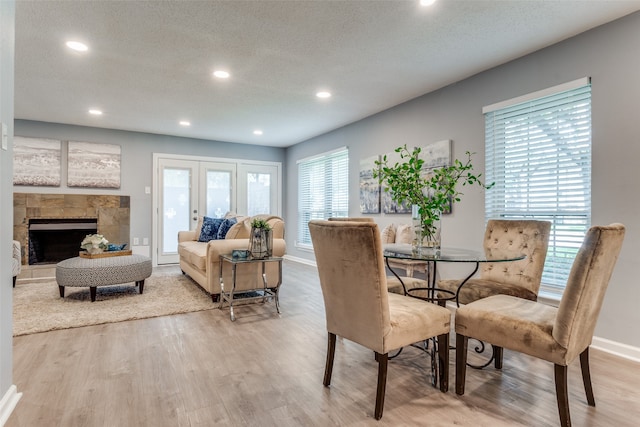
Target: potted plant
<point>430,193</point>
<point>261,239</point>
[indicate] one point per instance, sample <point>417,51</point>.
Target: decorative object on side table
<point>261,239</point>
<point>94,243</point>
<point>430,192</point>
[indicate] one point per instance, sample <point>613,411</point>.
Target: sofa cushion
<point>389,234</point>
<point>404,234</point>
<point>198,228</point>
<point>195,253</point>
<point>240,230</point>
<point>210,228</point>
<point>225,227</point>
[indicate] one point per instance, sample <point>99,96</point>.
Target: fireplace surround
<point>111,214</point>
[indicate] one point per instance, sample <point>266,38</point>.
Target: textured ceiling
<point>149,63</point>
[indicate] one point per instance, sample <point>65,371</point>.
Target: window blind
<point>323,190</point>
<point>538,153</point>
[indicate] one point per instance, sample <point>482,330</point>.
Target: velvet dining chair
<point>358,306</point>
<point>516,278</point>
<point>558,335</point>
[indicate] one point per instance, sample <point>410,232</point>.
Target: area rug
<point>37,306</point>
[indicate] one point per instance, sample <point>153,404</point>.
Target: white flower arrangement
<point>94,242</point>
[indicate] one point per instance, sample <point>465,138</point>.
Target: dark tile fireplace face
<point>54,240</point>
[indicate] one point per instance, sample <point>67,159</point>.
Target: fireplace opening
<point>54,240</point>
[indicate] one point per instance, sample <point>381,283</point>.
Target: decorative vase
<point>94,251</point>
<point>425,240</point>
<point>260,243</point>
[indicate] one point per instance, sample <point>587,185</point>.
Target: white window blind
<point>538,153</point>
<point>323,190</point>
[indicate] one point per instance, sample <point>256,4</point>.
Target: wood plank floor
<point>265,369</point>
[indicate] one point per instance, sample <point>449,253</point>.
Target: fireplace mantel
<point>112,212</point>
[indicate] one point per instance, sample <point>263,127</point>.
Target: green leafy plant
<point>260,223</point>
<point>433,192</point>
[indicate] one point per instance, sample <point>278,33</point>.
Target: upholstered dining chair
<point>393,283</point>
<point>518,278</point>
<point>557,335</point>
<point>16,261</point>
<point>358,306</point>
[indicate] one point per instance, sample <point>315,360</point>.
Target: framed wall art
<point>36,161</point>
<point>93,165</point>
<point>369,186</point>
<point>388,205</point>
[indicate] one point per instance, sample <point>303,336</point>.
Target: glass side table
<point>266,290</point>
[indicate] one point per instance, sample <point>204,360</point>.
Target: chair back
<point>588,281</point>
<point>353,280</point>
<point>528,237</point>
<point>353,218</point>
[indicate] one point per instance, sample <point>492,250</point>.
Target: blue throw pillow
<point>224,227</point>
<point>210,228</point>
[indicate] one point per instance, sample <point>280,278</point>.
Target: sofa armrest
<point>184,236</point>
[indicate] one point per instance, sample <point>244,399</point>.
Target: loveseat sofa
<point>201,260</point>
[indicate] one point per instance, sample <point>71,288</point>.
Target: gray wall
<point>609,55</point>
<point>7,20</point>
<point>137,161</point>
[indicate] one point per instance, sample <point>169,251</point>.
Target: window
<point>538,153</point>
<point>323,190</point>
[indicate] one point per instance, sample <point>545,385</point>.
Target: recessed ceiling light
<point>257,132</point>
<point>221,74</point>
<point>185,123</point>
<point>95,112</point>
<point>323,94</point>
<point>77,46</point>
<point>427,2</point>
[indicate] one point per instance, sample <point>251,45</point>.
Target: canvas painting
<point>93,165</point>
<point>369,186</point>
<point>388,205</point>
<point>36,161</point>
<point>435,156</point>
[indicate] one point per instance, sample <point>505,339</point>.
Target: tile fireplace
<point>50,227</point>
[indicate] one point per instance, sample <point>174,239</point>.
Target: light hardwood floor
<point>200,369</point>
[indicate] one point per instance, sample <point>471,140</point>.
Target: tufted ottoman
<point>94,272</point>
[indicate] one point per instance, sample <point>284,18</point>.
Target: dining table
<point>430,292</point>
<point>433,256</point>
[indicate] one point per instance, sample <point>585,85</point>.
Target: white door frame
<point>155,193</point>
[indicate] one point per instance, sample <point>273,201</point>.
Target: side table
<point>265,289</point>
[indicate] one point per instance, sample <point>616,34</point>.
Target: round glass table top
<point>406,251</point>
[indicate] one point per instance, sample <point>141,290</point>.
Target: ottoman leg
<point>92,291</point>
<point>61,289</point>
<point>141,285</point>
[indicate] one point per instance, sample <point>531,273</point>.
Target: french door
<point>186,189</point>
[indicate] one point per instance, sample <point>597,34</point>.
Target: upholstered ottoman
<point>94,272</point>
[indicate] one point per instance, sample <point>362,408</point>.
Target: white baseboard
<point>300,260</point>
<point>616,348</point>
<point>8,403</point>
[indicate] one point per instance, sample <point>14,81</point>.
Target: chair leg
<point>14,281</point>
<point>562,395</point>
<point>443,360</point>
<point>462,343</point>
<point>586,377</point>
<point>328,369</point>
<point>497,356</point>
<point>383,360</point>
